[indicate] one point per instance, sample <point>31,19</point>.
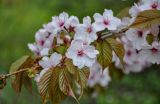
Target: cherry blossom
<point>137,37</point>
<point>106,21</point>
<point>134,10</point>
<point>86,31</point>
<point>151,53</point>
<point>144,5</point>
<point>59,22</point>
<point>82,54</point>
<point>72,23</point>
<point>98,76</point>
<point>38,50</point>
<point>44,39</point>
<point>48,62</point>
<point>151,4</point>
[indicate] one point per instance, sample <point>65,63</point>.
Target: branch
<point>16,72</point>
<point>109,34</point>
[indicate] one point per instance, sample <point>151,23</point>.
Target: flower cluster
<point>98,76</point>
<point>141,45</point>
<point>76,37</point>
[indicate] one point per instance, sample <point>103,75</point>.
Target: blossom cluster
<point>142,47</point>
<point>78,39</point>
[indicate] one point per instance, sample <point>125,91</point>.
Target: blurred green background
<point>20,19</point>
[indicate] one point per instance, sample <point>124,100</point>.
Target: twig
<point>109,34</point>
<point>8,75</point>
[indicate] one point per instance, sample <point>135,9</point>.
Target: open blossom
<point>48,62</point>
<point>59,22</point>
<point>72,23</point>
<point>151,4</point>
<point>134,11</point>
<point>86,31</point>
<point>137,37</point>
<point>43,43</point>
<point>44,39</point>
<point>98,76</point>
<point>38,50</point>
<point>81,54</point>
<point>144,5</point>
<point>106,21</point>
<point>151,53</point>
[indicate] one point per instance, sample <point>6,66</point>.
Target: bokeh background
<point>20,19</point>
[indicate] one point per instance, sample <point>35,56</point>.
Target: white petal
<point>98,17</point>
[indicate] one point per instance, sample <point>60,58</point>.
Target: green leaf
<point>146,19</point>
<point>150,38</point>
<point>105,53</point>
<point>20,79</point>
<point>49,86</point>
<point>118,48</point>
<point>31,73</point>
<point>61,49</point>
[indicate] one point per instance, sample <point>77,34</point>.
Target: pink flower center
<point>106,22</point>
<point>140,34</point>
<point>71,29</point>
<point>154,50</point>
<point>85,43</point>
<point>92,77</point>
<point>41,42</point>
<point>89,29</point>
<point>154,6</point>
<point>80,53</point>
<point>48,35</point>
<point>61,24</point>
<point>129,53</point>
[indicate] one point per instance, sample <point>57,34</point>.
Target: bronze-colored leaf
<point>49,86</point>
<point>118,48</point>
<point>146,19</point>
<point>2,82</point>
<point>65,83</point>
<point>81,78</point>
<point>70,67</point>
<point>19,79</point>
<point>105,53</point>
